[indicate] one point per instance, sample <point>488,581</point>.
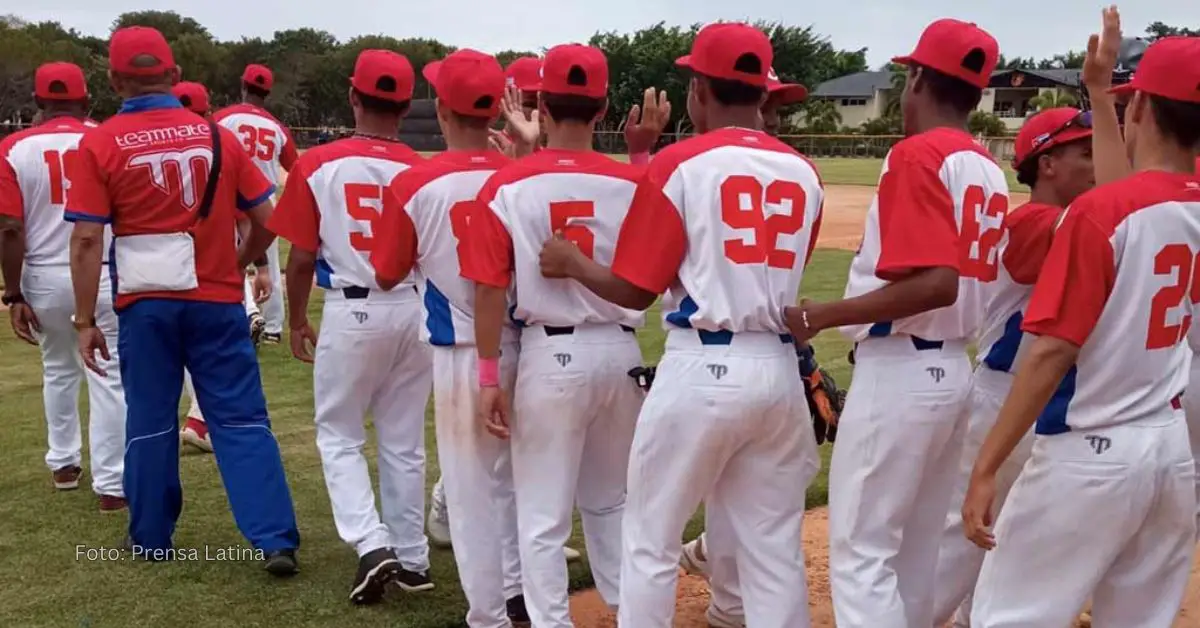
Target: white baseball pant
<point>248,298</point>
<point>891,478</point>
<point>1191,408</point>
<point>369,358</point>
<point>273,310</point>
<point>477,481</point>
<point>726,423</point>
<point>575,407</point>
<point>49,292</point>
<point>1107,513</point>
<point>958,559</point>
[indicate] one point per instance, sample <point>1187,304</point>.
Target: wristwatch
<point>10,300</point>
<point>80,325</point>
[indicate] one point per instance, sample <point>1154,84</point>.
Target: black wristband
<point>261,262</point>
<point>14,299</point>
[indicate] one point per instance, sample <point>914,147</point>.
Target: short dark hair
<point>955,92</point>
<point>1027,171</point>
<point>474,122</point>
<point>733,93</point>
<point>382,105</point>
<point>573,108</point>
<point>255,90</point>
<point>1178,119</point>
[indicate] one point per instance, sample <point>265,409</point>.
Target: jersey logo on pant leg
<point>361,317</point>
<point>563,359</point>
<point>718,370</point>
<point>937,373</point>
<point>1099,444</point>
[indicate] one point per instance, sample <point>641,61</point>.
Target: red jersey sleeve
<point>87,198</point>
<point>296,217</point>
<point>1030,230</point>
<point>489,258</point>
<point>253,188</point>
<point>917,227</point>
<point>652,241</point>
<point>289,155</point>
<point>395,249</point>
<point>1075,281</point>
<point>12,204</point>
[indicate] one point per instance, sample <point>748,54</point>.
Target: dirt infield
<point>845,208</point>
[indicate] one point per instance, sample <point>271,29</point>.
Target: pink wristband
<point>639,159</point>
<point>489,372</point>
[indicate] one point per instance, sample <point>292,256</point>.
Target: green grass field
<point>45,583</point>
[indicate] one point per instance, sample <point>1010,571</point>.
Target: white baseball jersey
<point>1120,281</point>
<point>586,196</point>
<point>727,221</point>
<point>265,139</point>
<point>1027,233</point>
<point>332,203</point>
<point>941,202</point>
<point>433,201</point>
<point>35,167</point>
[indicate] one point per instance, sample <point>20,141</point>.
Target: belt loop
<point>920,344</point>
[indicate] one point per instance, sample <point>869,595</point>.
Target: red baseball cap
<point>374,68</point>
<point>1048,129</point>
<point>944,46</point>
<point>132,42</point>
<point>562,61</point>
<point>470,82</point>
<point>258,76</point>
<point>525,73</point>
<point>59,81</point>
<point>719,47</point>
<point>786,93</point>
<point>1170,68</point>
<point>193,96</point>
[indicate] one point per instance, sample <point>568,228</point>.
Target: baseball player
<point>36,169</point>
<point>369,357</point>
<point>723,223</point>
<point>168,180</point>
<point>913,301</point>
<point>1053,158</point>
<point>269,143</point>
<point>430,205</point>
<point>574,403</point>
<point>1111,446</point>
<point>194,97</point>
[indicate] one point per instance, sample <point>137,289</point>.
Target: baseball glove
<point>825,400</point>
<point>643,376</point>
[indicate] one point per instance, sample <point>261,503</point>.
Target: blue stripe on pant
<point>161,337</point>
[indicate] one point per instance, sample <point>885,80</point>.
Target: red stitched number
<point>737,214</point>
<point>363,203</point>
<point>1176,259</point>
<point>561,212</point>
<point>978,258</point>
<point>460,220</point>
<point>258,142</point>
<point>59,165</point>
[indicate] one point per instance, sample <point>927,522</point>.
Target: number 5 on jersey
<point>364,201</point>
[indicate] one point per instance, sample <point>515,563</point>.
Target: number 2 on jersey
<point>763,245</point>
<point>59,165</point>
<point>1176,259</point>
<point>357,195</point>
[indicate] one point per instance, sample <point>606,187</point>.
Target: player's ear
<point>1137,109</point>
<point>603,111</point>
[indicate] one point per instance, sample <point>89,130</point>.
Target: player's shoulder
<point>735,141</point>
<point>1033,212</point>
<point>932,148</point>
<point>71,129</point>
<point>1110,204</point>
<point>422,175</point>
<point>244,109</point>
<point>588,163</point>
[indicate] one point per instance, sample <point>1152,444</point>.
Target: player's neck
<point>576,137</point>
<point>51,113</point>
<point>1157,153</point>
<point>1046,195</point>
<point>733,117</point>
<point>466,140</point>
<point>251,99</point>
<point>941,119</point>
<point>377,126</point>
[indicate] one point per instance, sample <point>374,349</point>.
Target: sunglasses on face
<point>1082,120</point>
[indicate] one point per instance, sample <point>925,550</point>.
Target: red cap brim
<point>1121,90</point>
<point>907,60</point>
<point>430,71</point>
<point>788,93</point>
<point>684,62</point>
<point>1066,137</point>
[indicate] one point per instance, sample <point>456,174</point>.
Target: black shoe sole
<point>370,589</point>
<point>282,566</point>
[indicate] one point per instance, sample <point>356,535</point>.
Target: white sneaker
<point>720,619</point>
<point>691,560</point>
<point>572,555</point>
<point>439,522</point>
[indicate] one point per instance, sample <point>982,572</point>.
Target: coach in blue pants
<point>171,184</point>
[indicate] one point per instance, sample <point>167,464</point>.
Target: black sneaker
<point>375,569</point>
<point>271,338</point>
<point>517,615</point>
<point>413,581</point>
<point>282,563</point>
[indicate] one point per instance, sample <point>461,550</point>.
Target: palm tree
<point>899,77</point>
<point>1053,98</point>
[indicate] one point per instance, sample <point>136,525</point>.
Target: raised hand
<point>645,123</point>
<point>1102,52</point>
<point>525,130</point>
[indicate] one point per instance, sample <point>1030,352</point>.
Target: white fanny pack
<point>155,262</point>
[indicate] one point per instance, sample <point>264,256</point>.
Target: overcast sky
<point>1037,28</point>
